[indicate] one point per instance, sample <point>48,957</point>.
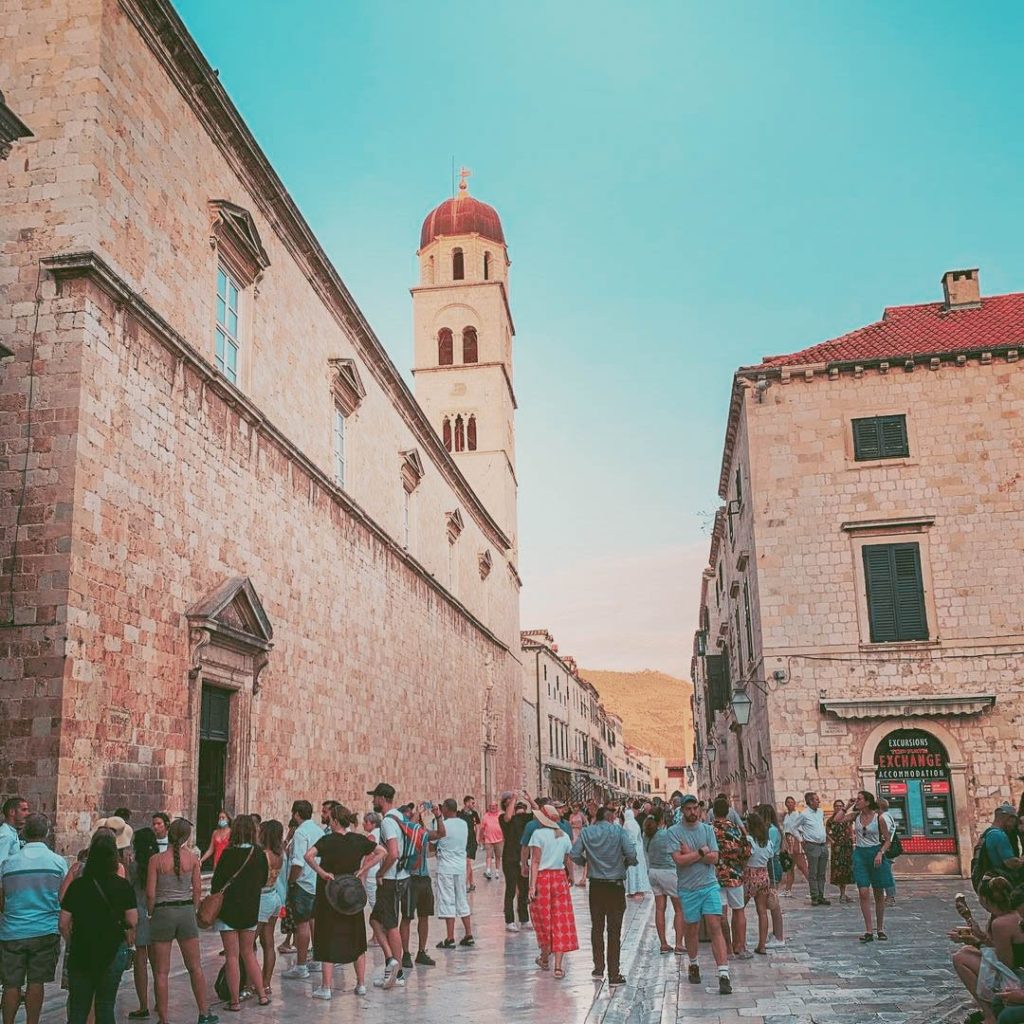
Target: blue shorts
<point>698,903</point>
<point>865,874</point>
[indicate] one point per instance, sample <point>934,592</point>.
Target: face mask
<point>222,822</point>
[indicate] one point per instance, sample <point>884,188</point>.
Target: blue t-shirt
<point>695,876</point>
<point>532,826</point>
<point>999,848</point>
<point>31,881</point>
<point>661,848</point>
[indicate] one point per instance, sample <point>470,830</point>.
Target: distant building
<point>861,602</point>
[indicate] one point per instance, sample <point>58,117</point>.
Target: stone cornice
<point>12,128</point>
<point>90,267</point>
<point>168,38</point>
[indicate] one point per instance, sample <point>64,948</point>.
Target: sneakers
<point>423,959</point>
<point>597,975</point>
<point>774,943</point>
<point>298,971</point>
<point>693,974</point>
<point>822,902</point>
<point>391,969</point>
<point>407,961</point>
<point>512,927</point>
<point>467,941</point>
<point>313,965</point>
<point>617,981</point>
<point>207,1018</point>
<point>744,954</point>
<point>724,985</point>
<point>360,990</point>
<point>322,992</point>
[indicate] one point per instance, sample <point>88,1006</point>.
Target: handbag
<point>895,847</point>
<point>125,955</point>
<point>786,860</point>
<point>210,905</point>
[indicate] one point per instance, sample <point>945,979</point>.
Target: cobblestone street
<point>824,975</point>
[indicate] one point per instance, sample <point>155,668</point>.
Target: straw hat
<point>122,830</point>
<point>547,816</point>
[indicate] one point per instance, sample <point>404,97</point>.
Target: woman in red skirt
<point>550,899</point>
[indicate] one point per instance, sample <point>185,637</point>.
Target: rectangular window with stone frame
<point>228,340</point>
<point>880,437</point>
<point>339,447</point>
<point>895,593</point>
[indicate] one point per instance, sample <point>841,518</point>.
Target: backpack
<point>414,838</point>
<point>980,863</point>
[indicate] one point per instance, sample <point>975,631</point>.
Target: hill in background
<point>654,708</point>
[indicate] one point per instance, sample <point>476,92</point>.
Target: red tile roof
<point>927,329</point>
<point>462,215</point>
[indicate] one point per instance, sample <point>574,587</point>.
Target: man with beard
<point>392,886</point>
<point>302,886</point>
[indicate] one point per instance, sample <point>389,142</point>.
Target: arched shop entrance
<point>919,768</point>
<point>912,773</point>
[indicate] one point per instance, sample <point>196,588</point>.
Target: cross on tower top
<point>464,173</point>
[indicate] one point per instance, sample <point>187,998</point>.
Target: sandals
<point>234,1007</point>
<point>867,937</point>
<point>882,937</point>
<point>541,963</point>
<point>265,1001</point>
<point>559,973</point>
<point>760,951</point>
<point>446,944</point>
<point>665,949</point>
<point>139,1015</point>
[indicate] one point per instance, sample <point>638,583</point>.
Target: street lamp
<point>740,705</point>
<point>710,750</point>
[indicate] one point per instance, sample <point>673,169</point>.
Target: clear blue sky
<point>684,187</point>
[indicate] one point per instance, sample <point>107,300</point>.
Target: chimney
<point>961,289</point>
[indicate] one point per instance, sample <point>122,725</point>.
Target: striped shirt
<point>30,880</point>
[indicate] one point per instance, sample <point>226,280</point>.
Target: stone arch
<point>957,775</point>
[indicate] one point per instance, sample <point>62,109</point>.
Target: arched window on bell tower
<point>445,347</point>
<point>487,266</point>
<point>469,345</point>
<point>446,433</point>
<point>471,434</point>
<point>460,434</point>
<point>458,265</point>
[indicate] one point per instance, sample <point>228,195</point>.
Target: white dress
<point>637,879</point>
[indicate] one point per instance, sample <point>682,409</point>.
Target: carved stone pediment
<point>412,469</point>
<point>234,232</point>
<point>346,384</point>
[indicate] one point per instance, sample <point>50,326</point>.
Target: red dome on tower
<point>462,215</point>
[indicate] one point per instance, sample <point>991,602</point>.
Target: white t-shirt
<point>554,846</point>
<point>374,836</point>
<point>390,829</point>
<point>304,838</point>
<point>789,823</point>
<point>451,851</point>
<point>760,855</point>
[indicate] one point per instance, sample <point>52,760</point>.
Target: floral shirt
<point>733,853</point>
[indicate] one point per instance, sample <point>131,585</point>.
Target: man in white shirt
<point>302,886</point>
<point>452,838</point>
<point>809,826</point>
<point>161,821</point>
<point>392,886</point>
<point>15,811</point>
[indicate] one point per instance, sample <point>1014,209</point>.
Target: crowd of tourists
<point>135,893</point>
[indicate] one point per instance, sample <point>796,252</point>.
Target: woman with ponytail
<point>173,890</point>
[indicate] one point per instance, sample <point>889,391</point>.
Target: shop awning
<point>917,706</point>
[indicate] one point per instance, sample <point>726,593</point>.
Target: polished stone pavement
<point>823,975</point>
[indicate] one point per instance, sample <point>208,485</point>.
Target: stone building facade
<point>574,746</point>
<point>240,564</point>
<point>866,573</point>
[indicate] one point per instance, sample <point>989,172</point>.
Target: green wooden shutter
<point>867,439</point>
<point>878,573</point>
<point>893,431</point>
<point>910,612</point>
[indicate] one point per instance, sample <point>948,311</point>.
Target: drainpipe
<point>540,770</point>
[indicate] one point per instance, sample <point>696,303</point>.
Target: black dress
<point>339,938</point>
<point>241,908</point>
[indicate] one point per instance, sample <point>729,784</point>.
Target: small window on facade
<point>228,338</point>
<point>445,347</point>
<point>406,519</point>
<point>458,265</point>
<point>746,614</point>
<point>487,266</point>
<point>469,345</point>
<point>739,487</point>
<point>339,447</point>
<point>446,433</point>
<point>895,592</point>
<point>880,437</point>
<point>739,642</point>
<point>430,270</point>
<point>460,434</point>
<point>471,434</point>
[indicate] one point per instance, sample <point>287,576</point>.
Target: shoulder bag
<point>125,955</point>
<point>210,905</point>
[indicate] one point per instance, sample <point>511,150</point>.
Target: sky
<point>684,187</point>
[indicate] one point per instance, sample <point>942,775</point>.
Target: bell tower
<point>463,332</point>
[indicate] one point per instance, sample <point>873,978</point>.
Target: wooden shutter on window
<point>880,437</point>
<point>895,592</point>
<point>893,431</point>
<point>867,440</point>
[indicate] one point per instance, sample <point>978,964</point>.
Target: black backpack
<point>980,863</point>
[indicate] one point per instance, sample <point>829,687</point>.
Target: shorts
<point>452,900</point>
<point>270,904</point>
<point>388,909</point>
<point>29,961</point>
<point>471,848</point>
<point>865,874</point>
<point>142,928</point>
<point>300,903</point>
<point>734,897</point>
<point>698,903</point>
<point>664,882</point>
<point>170,923</point>
<point>755,882</point>
<point>418,899</point>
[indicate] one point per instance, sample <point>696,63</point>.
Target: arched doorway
<point>912,773</point>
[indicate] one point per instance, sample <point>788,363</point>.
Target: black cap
<point>382,789</point>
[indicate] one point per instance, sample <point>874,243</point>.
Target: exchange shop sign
<point>910,754</point>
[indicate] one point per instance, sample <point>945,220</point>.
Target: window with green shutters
<point>880,437</point>
<point>895,592</point>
